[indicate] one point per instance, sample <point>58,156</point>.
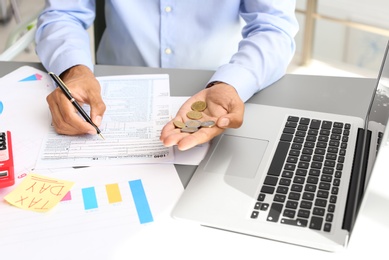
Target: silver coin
<point>208,124</point>
<point>193,123</point>
<point>189,129</point>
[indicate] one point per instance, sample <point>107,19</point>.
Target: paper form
<point>106,206</point>
<point>138,107</point>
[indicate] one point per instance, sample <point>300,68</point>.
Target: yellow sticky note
<point>38,193</point>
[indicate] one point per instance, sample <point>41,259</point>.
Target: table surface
<point>340,95</point>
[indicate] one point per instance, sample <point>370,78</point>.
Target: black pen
<point>67,93</point>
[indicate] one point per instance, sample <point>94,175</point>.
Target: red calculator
<point>7,177</point>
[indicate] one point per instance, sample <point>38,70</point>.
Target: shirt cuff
<point>240,78</point>
<point>67,60</point>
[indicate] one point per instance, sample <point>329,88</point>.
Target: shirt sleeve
<point>266,49</point>
<point>62,40</point>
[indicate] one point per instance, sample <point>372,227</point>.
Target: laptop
<point>300,180</point>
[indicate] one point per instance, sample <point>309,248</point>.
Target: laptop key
<point>275,211</point>
<point>257,205</point>
<point>282,190</point>
<point>315,124</point>
<point>279,198</point>
<point>286,137</point>
<point>327,227</point>
<point>267,189</point>
<point>295,222</point>
<point>303,213</point>
<point>254,214</point>
<point>306,204</point>
<point>264,206</point>
<point>327,125</point>
<point>261,197</point>
<point>289,130</point>
<point>338,125</point>
<point>316,223</point>
<point>305,121</point>
<point>271,180</point>
<point>289,213</point>
<point>293,118</point>
<point>318,211</point>
<point>329,217</point>
<point>279,156</point>
<point>294,196</point>
<point>331,208</point>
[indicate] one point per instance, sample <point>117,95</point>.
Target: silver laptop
<point>300,180</point>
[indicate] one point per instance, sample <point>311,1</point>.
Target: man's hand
<point>85,88</point>
<point>224,106</point>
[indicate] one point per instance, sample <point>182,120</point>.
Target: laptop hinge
<point>357,180</point>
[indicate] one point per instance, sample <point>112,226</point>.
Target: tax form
<point>137,108</point>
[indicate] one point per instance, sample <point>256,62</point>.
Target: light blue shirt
<point>249,43</point>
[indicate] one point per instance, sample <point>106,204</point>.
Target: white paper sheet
<point>75,230</point>
<point>25,113</point>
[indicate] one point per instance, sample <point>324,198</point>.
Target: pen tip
<point>102,137</point>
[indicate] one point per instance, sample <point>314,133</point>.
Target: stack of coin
<point>197,108</point>
<point>194,124</point>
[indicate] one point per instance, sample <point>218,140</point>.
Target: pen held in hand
<point>67,93</point>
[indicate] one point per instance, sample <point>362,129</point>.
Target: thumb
<point>97,111</point>
<point>234,118</point>
<point>230,121</point>
<point>223,122</point>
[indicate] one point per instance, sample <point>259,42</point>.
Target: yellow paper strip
<point>113,193</point>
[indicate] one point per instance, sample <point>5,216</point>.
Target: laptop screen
<point>379,108</point>
<point>378,115</point>
<point>369,142</point>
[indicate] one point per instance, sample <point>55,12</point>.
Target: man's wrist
<point>75,71</point>
<point>214,83</point>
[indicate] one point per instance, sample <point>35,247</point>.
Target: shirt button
<point>168,51</point>
<point>168,9</point>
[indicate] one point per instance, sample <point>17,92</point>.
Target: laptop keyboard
<point>302,183</point>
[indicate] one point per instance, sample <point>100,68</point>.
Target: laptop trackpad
<point>237,156</point>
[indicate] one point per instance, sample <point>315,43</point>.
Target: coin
<point>189,129</point>
<point>199,106</point>
<point>193,123</point>
<point>208,124</point>
<point>194,115</point>
<point>178,124</point>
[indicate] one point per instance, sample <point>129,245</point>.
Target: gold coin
<point>178,124</point>
<point>195,115</point>
<point>199,106</point>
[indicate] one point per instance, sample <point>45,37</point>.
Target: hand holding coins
<point>220,103</point>
<point>195,115</point>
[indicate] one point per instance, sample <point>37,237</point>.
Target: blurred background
<point>336,37</point>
